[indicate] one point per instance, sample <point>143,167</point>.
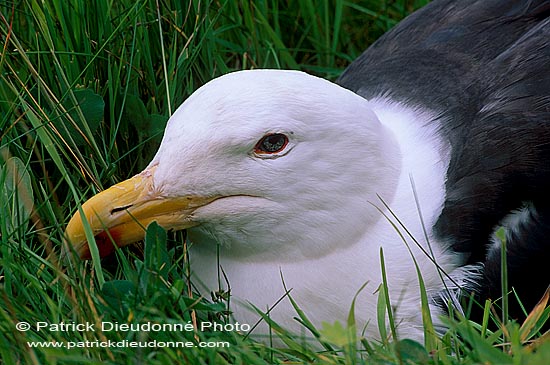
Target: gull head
<point>269,164</point>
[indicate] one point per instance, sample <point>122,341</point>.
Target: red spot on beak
<point>104,243</point>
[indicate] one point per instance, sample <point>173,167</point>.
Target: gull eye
<point>271,143</point>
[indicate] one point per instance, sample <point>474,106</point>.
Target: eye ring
<point>271,144</point>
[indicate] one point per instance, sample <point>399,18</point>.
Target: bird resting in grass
<point>436,136</point>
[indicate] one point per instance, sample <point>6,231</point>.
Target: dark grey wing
<point>501,156</point>
<point>502,164</point>
<point>484,68</point>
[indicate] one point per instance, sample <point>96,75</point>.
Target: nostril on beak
<point>119,209</point>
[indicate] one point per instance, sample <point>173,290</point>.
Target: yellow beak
<point>121,213</point>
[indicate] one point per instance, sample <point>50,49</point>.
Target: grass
<point>85,91</point>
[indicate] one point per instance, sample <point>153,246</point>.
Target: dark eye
<point>272,143</point>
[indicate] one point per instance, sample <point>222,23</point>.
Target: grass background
<point>86,88</point>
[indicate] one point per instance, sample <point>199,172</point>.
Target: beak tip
<point>71,252</point>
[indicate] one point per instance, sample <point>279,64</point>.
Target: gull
<point>428,143</point>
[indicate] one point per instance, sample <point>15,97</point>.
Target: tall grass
<point>86,88</point>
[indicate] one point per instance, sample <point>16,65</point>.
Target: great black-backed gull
<point>442,126</point>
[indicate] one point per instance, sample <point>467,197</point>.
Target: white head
<point>270,164</point>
